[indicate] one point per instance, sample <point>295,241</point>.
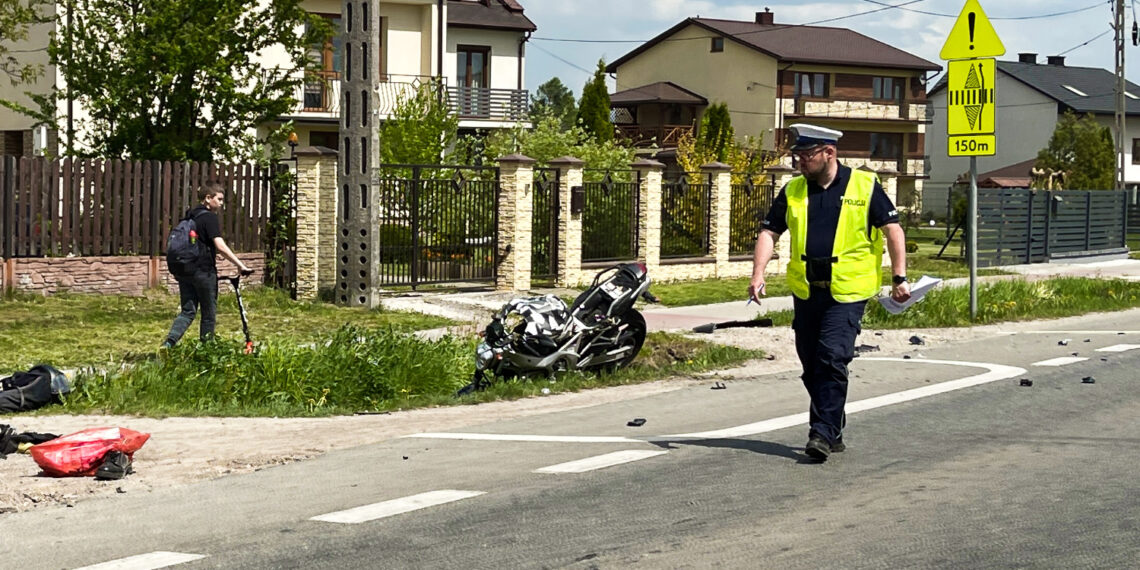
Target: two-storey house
<point>771,75</point>
<point>474,48</point>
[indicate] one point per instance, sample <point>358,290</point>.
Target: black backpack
<point>183,249</point>
<point>38,387</point>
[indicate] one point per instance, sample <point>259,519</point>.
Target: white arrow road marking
<point>148,561</point>
<point>396,506</point>
<point>1060,361</point>
<point>995,372</point>
<point>600,461</point>
<point>1118,348</point>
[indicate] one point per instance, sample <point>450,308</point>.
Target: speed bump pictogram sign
<point>972,35</point>
<point>971,107</point>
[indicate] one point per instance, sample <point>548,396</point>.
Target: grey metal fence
<point>1030,226</point>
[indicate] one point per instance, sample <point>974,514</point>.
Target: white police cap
<point>804,136</point>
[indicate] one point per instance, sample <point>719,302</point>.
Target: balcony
<point>642,136</point>
<point>320,98</point>
<point>856,109</point>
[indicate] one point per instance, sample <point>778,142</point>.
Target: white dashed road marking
<point>1118,348</point>
<point>601,461</point>
<point>148,561</point>
<point>396,506</point>
<point>1060,361</point>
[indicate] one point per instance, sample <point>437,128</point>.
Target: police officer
<point>838,218</point>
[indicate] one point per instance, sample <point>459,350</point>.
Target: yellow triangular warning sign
<point>972,35</point>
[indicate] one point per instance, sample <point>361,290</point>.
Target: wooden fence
<point>90,207</point>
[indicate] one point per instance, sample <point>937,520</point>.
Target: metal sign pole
<point>972,247</point>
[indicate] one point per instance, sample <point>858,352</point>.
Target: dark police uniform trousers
<point>825,339</point>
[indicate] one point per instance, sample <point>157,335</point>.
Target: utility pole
<point>1118,24</point>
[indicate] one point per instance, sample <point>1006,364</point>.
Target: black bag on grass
<point>38,387</point>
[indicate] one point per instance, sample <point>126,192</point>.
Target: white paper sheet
<point>917,292</point>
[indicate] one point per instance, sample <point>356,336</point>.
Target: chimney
<point>1026,57</point>
<point>1058,60</point>
<point>765,17</point>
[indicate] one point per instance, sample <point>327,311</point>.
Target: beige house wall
<point>739,76</point>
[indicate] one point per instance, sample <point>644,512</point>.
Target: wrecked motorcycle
<point>600,331</point>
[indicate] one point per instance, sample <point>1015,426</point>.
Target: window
<point>327,56</point>
<point>1075,90</point>
<point>886,145</point>
<point>811,85</point>
<point>887,88</point>
<point>717,45</point>
<point>1135,151</point>
<point>473,77</point>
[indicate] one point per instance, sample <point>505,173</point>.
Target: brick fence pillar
<point>316,220</point>
<point>720,212</point>
<point>569,271</point>
<point>649,172</point>
<point>516,210</point>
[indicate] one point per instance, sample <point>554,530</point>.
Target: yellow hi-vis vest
<point>855,276</point>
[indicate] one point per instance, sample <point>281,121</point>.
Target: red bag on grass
<point>80,454</point>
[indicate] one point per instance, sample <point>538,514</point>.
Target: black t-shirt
<point>209,227</point>
<point>823,212</point>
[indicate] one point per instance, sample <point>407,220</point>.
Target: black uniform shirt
<point>823,212</point>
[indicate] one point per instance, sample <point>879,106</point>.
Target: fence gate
<point>435,224</point>
<point>544,228</point>
<point>610,216</point>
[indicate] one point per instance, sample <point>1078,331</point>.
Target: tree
<point>554,99</point>
<point>594,109</point>
<point>716,130</point>
<point>16,17</point>
<point>419,130</point>
<point>177,79</point>
<point>1081,149</point>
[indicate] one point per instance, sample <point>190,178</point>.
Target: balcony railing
<point>644,136</point>
<point>855,109</point>
<point>320,96</point>
<point>487,103</point>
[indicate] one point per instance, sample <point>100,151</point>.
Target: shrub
<point>911,246</point>
<point>940,241</point>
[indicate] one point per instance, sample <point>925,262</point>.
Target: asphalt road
<point>948,465</point>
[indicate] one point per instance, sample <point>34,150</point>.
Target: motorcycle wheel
<point>631,333</point>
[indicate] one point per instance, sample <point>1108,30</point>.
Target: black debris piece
<point>116,465</point>
<point>719,386</point>
<point>1076,354</point>
<point>1088,380</point>
<point>1064,342</point>
<point>636,422</point>
<point>1088,340</point>
<point>906,357</point>
<point>405,457</point>
<point>917,340</point>
<point>1026,382</point>
<point>770,357</point>
<point>878,333</point>
<point>867,348</point>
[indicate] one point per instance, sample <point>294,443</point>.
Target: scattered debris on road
<point>719,386</point>
<point>1088,380</point>
<point>636,422</point>
<point>1026,382</point>
<point>917,340</point>
<point>1065,342</point>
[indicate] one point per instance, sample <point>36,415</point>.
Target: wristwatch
<point>898,279</point>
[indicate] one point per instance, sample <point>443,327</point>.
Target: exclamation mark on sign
<point>970,16</point>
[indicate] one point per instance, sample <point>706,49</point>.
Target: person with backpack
<point>190,254</point>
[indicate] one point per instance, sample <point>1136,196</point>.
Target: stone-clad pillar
<point>316,221</point>
<point>569,271</point>
<point>649,172</point>
<point>516,213</point>
<point>720,212</point>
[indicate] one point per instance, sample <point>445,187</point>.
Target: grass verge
<point>350,371</point>
<point>687,293</point>
<point>67,330</point>
<point>1002,301</point>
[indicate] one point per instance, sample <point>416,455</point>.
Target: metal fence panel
<point>1029,226</point>
<point>544,226</point>
<point>750,203</point>
<point>685,216</point>
<point>610,216</point>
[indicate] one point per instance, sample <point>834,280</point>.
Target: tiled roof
<point>495,14</point>
<point>1050,80</point>
<point>801,44</point>
<point>660,92</point>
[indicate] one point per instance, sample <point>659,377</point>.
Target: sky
<point>613,28</point>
